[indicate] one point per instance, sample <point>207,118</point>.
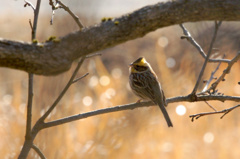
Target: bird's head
<point>140,65</point>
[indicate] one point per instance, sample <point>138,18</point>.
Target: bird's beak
<point>130,65</point>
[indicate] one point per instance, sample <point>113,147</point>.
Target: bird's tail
<point>165,114</point>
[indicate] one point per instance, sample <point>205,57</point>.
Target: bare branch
<point>75,17</point>
<point>27,3</point>
<point>133,106</point>
<point>29,107</point>
<point>59,4</point>
<point>212,76</point>
<point>190,39</point>
<point>225,72</point>
<point>51,21</point>
<point>63,91</point>
<point>224,112</point>
<point>76,80</point>
<point>210,106</point>
<point>36,13</point>
<point>38,151</point>
<point>217,25</point>
<point>30,23</point>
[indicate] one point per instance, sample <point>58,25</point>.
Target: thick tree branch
<point>55,57</point>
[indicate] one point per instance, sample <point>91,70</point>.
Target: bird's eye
<point>140,68</point>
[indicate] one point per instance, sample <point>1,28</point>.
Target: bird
<point>144,83</point>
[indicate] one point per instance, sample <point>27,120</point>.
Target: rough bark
<point>55,57</point>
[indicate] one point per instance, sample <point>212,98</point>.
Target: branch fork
<point>212,91</point>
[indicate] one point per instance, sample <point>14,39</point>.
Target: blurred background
<point>136,134</point>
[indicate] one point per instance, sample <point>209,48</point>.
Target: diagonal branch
<point>75,17</point>
<point>37,127</point>
<point>52,58</point>
<point>79,78</point>
<point>60,4</point>
<point>188,36</point>
<point>217,25</point>
<point>70,82</point>
<point>225,72</point>
<point>38,151</point>
<point>212,76</point>
<point>210,106</point>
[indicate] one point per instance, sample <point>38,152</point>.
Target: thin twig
<point>36,13</point>
<point>38,151</point>
<point>27,3</point>
<point>217,25</point>
<point>210,106</point>
<point>51,21</point>
<point>54,7</point>
<point>75,17</point>
<point>63,91</point>
<point>224,112</point>
<point>214,85</point>
<point>189,38</point>
<point>225,72</point>
<point>76,80</point>
<point>212,76</point>
<point>30,23</point>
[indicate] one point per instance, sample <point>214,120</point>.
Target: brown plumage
<point>144,84</point>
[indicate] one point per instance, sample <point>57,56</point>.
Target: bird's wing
<point>139,84</point>
<point>157,92</point>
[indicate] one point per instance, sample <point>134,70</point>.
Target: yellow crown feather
<point>141,62</point>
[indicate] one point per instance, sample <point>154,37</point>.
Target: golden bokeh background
<point>137,134</point>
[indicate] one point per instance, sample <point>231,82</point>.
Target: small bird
<point>144,83</point>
